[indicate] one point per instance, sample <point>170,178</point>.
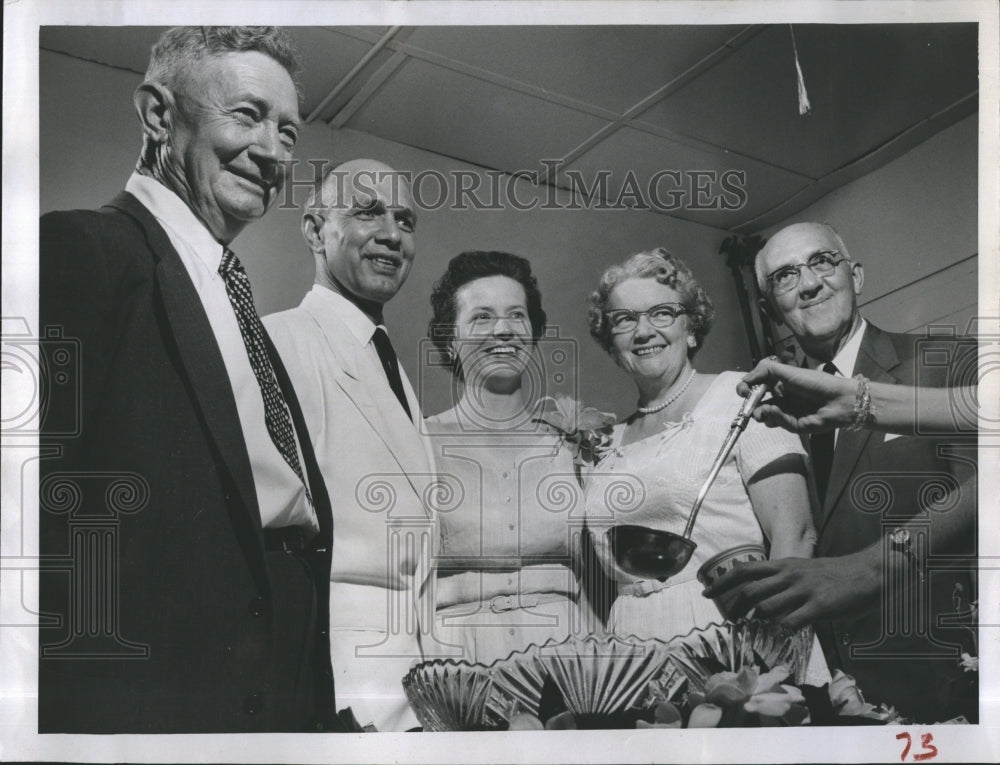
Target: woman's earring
<point>691,341</point>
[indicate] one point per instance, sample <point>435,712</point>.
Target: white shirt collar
<point>847,357</point>
<point>357,321</point>
<point>173,214</point>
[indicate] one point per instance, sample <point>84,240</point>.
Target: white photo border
<point>18,646</point>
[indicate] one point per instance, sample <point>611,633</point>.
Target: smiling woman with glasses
<point>651,315</point>
<point>662,316</point>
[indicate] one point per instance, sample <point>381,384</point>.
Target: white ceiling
<point>630,98</point>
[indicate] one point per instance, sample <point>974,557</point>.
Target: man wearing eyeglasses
<point>886,506</point>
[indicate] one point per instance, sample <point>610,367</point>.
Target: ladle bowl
<point>649,553</point>
<point>654,554</point>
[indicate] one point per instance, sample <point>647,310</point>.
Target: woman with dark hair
<point>505,573</point>
<point>651,315</point>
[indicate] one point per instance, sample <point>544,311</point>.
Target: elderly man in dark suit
<point>896,515</point>
<point>186,527</point>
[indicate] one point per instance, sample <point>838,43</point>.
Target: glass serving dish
<point>730,646</point>
<point>451,695</point>
<point>596,677</point>
<point>602,675</point>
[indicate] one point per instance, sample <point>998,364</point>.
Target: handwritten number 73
<point>929,750</point>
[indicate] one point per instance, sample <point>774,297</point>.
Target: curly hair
<point>667,269</point>
<point>467,267</point>
<point>179,48</point>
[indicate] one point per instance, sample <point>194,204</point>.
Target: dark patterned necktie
<point>391,366</point>
<point>276,417</point>
<point>822,445</point>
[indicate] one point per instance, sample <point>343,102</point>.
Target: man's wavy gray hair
<point>180,48</point>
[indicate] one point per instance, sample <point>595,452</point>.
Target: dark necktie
<point>822,449</point>
<point>276,417</point>
<point>391,366</point>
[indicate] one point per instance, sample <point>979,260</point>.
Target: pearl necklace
<point>664,404</point>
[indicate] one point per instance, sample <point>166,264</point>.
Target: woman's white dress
<point>510,514</point>
<point>654,483</point>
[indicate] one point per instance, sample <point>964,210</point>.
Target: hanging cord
<point>804,106</point>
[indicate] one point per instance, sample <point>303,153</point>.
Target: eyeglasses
<point>660,316</point>
<point>822,264</point>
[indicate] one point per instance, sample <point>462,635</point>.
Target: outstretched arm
<point>807,401</point>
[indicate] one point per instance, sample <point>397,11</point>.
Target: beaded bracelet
<point>864,409</point>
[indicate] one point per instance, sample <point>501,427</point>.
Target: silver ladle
<point>654,554</point>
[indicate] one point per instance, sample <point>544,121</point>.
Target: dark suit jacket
<point>899,652</point>
<point>162,609</point>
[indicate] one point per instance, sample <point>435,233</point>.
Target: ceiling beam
<point>867,163</point>
<point>712,148</point>
<point>615,120</point>
<point>697,69</point>
<point>346,79</point>
<point>371,86</point>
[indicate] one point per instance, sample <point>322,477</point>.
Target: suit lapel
<point>200,357</point>
<point>876,358</point>
<point>389,421</point>
<point>407,445</point>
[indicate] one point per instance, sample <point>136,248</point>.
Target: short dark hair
<point>467,267</point>
<point>180,47</point>
<point>667,269</point>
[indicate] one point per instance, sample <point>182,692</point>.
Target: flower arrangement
<point>731,675</point>
<point>753,698</point>
<point>584,429</point>
<point>847,701</point>
<point>748,698</point>
<point>731,699</point>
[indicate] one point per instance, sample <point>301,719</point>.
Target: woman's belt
<point>450,565</point>
<point>501,603</point>
<point>644,587</point>
<point>484,586</point>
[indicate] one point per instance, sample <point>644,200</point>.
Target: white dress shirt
<point>376,463</point>
<point>281,495</point>
<point>845,359</point>
<point>363,330</point>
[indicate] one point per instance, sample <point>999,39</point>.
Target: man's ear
<point>155,106</point>
<point>857,277</point>
<point>765,308</point>
<point>312,230</point>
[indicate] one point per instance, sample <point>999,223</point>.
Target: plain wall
<point>913,225</point>
<point>90,139</point>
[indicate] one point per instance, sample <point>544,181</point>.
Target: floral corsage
<point>584,429</point>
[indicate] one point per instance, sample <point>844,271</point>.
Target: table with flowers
<point>746,673</point>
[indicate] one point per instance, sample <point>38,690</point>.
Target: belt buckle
<point>646,587</point>
<point>502,603</point>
